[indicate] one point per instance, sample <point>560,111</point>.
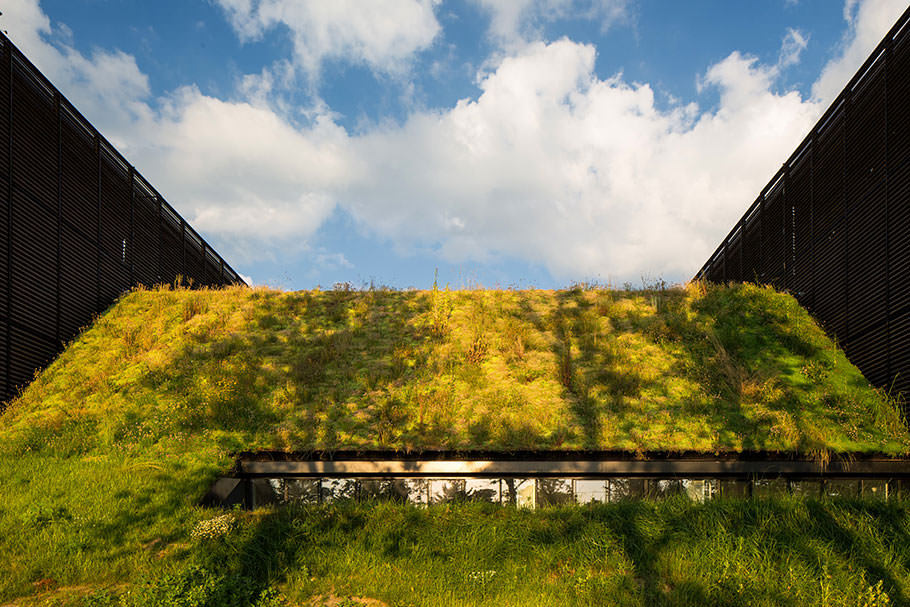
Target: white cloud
<point>382,35</point>
<point>515,21</point>
<point>868,21</point>
<point>555,166</point>
<point>795,42</point>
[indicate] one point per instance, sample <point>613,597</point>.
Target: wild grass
<point>706,368</point>
<point>780,552</point>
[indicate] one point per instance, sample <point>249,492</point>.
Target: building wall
<point>78,225</point>
<point>833,225</point>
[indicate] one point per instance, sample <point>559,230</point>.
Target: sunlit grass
<point>703,368</point>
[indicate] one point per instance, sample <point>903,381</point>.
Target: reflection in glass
<point>841,488</point>
<point>447,491</point>
<point>730,488</point>
<point>664,487</point>
<point>806,488</point>
<point>418,491</point>
<point>554,492</point>
<point>587,491</point>
<point>875,488</point>
<point>769,487</point>
<point>622,489</point>
<point>482,490</point>
<point>696,490</point>
<point>338,489</point>
<point>520,492</point>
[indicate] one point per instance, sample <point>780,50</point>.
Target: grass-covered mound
<point>703,368</point>
<point>104,458</point>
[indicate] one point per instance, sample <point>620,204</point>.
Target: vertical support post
<point>183,249</point>
<point>846,338</point>
<point>98,304</point>
<point>57,334</point>
<point>888,367</point>
<point>8,388</point>
<point>249,494</point>
<point>812,145</point>
<point>129,243</point>
<point>742,245</point>
<point>160,239</point>
<point>724,258</point>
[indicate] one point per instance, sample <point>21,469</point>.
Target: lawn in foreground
<point>782,551</point>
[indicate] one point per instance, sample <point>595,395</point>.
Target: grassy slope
<point>719,368</point>
<point>104,456</point>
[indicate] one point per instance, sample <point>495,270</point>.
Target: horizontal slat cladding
<point>78,282</point>
<point>115,279</point>
<point>867,255</point>
<point>865,135</point>
<point>734,265</point>
<point>5,388</point>
<point>34,141</point>
<point>146,238</point>
<point>4,112</point>
<point>900,350</point>
<point>899,236</point>
<point>194,263</point>
<point>4,245</point>
<point>799,196</point>
<point>171,251</point>
<point>212,271</point>
<point>79,180</point>
<point>752,261</point>
<point>829,280</point>
<point>775,240</point>
<point>33,264</point>
<point>869,352</point>
<point>115,208</point>
<point>899,105</point>
<point>29,352</point>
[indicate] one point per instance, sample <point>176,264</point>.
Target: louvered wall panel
<point>34,138</point>
<point>4,114</point>
<point>799,194</point>
<point>78,282</point>
<point>29,352</point>
<point>33,265</point>
<point>145,230</point>
<point>78,178</point>
<point>4,247</point>
<point>867,260</point>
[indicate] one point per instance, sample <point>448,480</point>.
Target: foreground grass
<point>104,458</point>
<point>775,552</point>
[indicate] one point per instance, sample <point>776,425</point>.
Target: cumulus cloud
<point>382,35</point>
<point>868,21</point>
<point>514,21</point>
<point>587,176</point>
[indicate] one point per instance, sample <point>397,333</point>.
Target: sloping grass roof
<point>708,368</point>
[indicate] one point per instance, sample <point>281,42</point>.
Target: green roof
<point>705,368</point>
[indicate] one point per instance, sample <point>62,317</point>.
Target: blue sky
<point>521,143</point>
